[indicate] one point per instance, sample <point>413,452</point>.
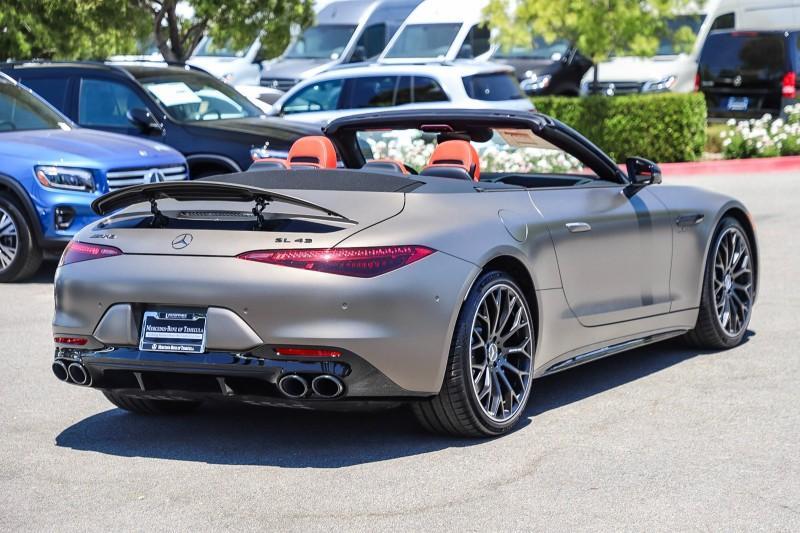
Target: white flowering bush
<point>763,137</point>
<point>414,149</point>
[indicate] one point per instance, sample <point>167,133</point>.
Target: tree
<point>598,28</point>
<point>68,29</point>
<point>237,21</point>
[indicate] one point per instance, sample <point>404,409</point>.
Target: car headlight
<point>664,84</point>
<point>534,83</point>
<point>72,179</point>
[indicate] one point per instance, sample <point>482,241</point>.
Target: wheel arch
<point>12,189</point>
<point>515,268</point>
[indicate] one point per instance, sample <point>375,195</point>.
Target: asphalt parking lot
<point>662,438</point>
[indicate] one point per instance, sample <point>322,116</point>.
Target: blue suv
<point>51,170</point>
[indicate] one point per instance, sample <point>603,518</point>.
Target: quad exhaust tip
<point>327,386</point>
<point>293,386</point>
<point>60,371</point>
<point>79,375</point>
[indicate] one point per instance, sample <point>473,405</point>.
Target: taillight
<point>72,341</point>
<point>75,252</point>
<point>789,85</point>
<point>307,352</point>
<point>356,262</point>
<point>697,82</point>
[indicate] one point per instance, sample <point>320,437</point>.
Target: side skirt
<point>610,350</point>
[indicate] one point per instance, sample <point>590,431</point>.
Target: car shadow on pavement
<point>234,434</point>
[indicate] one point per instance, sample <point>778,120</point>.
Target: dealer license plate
<point>171,331</point>
<point>738,103</point>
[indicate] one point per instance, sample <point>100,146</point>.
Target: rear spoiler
<point>198,191</point>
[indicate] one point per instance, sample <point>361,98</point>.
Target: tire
<point>150,407</point>
<point>20,257</point>
<point>458,409</point>
<point>712,331</point>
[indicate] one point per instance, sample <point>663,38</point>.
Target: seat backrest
<point>269,163</point>
<point>386,165</point>
<point>449,157</point>
<point>315,151</point>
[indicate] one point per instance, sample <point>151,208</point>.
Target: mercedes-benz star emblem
<point>154,175</point>
<point>737,81</point>
<point>182,241</point>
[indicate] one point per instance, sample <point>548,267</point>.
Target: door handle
<point>578,227</point>
<point>686,221</point>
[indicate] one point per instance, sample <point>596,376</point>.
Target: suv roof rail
<point>108,64</point>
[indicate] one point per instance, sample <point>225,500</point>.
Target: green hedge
<point>661,127</point>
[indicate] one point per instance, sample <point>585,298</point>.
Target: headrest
<point>269,163</point>
<point>314,151</point>
<point>386,165</point>
<point>456,153</point>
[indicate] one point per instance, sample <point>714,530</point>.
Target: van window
<point>373,40</point>
<point>372,91</point>
<point>476,43</point>
<point>54,90</point>
<point>724,22</point>
<point>105,103</point>
<point>326,41</point>
<point>321,96</point>
<point>760,56</point>
<point>492,87</point>
<point>428,90</point>
<point>424,40</point>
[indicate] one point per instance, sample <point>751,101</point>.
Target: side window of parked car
<point>477,42</point>
<point>428,90</point>
<point>403,95</point>
<point>322,96</point>
<point>373,40</point>
<point>54,90</point>
<point>726,21</point>
<point>105,103</point>
<point>372,91</point>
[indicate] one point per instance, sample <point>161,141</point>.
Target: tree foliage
<point>599,28</point>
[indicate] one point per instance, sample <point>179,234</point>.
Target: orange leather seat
<point>450,156</point>
<point>314,151</point>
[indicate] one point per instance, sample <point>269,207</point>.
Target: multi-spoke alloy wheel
<point>8,239</point>
<point>501,353</point>
<point>733,281</point>
<point>488,377</point>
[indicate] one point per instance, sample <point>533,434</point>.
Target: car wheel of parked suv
<point>19,256</point>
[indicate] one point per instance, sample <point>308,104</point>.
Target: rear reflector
<point>306,352</point>
<point>355,262</point>
<point>697,82</point>
<point>789,85</point>
<point>75,252</point>
<point>72,341</point>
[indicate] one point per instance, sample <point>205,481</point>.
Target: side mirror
<point>642,172</point>
<point>144,120</point>
<point>359,55</point>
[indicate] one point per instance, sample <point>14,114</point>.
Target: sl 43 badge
<point>299,240</point>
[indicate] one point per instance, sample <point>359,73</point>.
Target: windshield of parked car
<point>20,110</point>
<point>539,49</point>
<point>424,40</point>
<point>192,96</point>
<point>508,151</point>
<point>209,48</point>
<point>326,41</point>
<point>680,34</point>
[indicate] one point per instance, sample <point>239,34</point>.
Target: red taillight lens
<point>75,252</point>
<point>307,352</point>
<point>789,85</point>
<point>72,341</point>
<point>697,82</point>
<point>356,262</point>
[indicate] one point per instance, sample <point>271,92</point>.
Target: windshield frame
<point>40,107</point>
<point>289,54</point>
<point>173,76</point>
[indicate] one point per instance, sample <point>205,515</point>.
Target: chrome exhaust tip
<point>60,371</point>
<point>79,375</point>
<point>327,386</point>
<point>293,386</point>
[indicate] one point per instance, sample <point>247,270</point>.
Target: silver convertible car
<point>443,258</point>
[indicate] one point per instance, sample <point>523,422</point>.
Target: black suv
<point>745,74</point>
<point>542,68</point>
<point>215,127</point>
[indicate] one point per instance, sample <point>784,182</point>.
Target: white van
<point>671,71</point>
<point>441,30</point>
<point>235,67</point>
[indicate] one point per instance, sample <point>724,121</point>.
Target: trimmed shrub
<point>666,127</point>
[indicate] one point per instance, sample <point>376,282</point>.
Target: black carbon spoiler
<point>198,191</point>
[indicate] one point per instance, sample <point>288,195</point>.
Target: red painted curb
<point>731,166</point>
